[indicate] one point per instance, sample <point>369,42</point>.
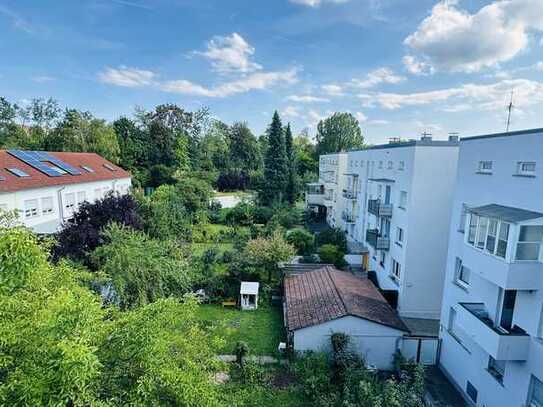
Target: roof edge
<point>504,134</point>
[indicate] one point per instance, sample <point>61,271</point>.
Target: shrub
<point>265,253</point>
<point>241,350</point>
<point>334,237</point>
<point>239,215</point>
<point>331,254</point>
<point>286,216</point>
<point>233,180</point>
<point>302,240</point>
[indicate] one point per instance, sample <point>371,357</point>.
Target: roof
<point>326,293</point>
<point>248,288</point>
<point>411,143</point>
<point>382,180</point>
<point>506,213</point>
<point>508,134</point>
<point>37,179</point>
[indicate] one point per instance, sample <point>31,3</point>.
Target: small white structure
<point>249,295</point>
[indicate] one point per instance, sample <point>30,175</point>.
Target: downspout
<point>60,206</point>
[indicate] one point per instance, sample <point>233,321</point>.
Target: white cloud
<point>230,54</point>
<point>17,21</point>
<point>378,122</point>
<point>477,96</point>
<point>376,77</point>
<point>416,67</point>
<point>42,78</point>
<point>332,89</point>
<point>127,77</point>
<point>452,39</point>
<point>307,99</point>
<point>361,117</point>
<point>290,111</point>
<point>316,3</point>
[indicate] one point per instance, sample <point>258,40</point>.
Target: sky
<point>401,67</point>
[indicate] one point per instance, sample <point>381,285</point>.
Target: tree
<point>141,269</point>
<point>291,188</point>
<point>265,253</point>
<point>339,132</point>
<point>330,254</point>
<point>243,148</point>
<point>275,164</point>
<point>302,240</point>
<point>132,143</point>
<point>307,161</point>
<point>81,236</point>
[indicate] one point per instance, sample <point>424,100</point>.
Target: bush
<point>302,240</point>
<point>331,254</point>
<point>233,180</point>
<point>239,215</point>
<point>288,217</point>
<point>241,350</point>
<point>334,237</point>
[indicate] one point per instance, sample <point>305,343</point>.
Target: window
<point>47,205</point>
<point>529,242</point>
<point>535,395</point>
<point>481,232</point>
<point>97,194</point>
<point>401,165</point>
<point>31,208</point>
<point>382,259</point>
<point>18,172</point>
<point>87,168</point>
<point>396,270</point>
<point>81,197</point>
<point>491,237</point>
<point>70,200</point>
<point>526,168</point>
<point>461,273</point>
<point>485,167</point>
<point>496,368</point>
<point>487,234</point>
<point>472,391</point>
<point>390,165</point>
<point>452,321</point>
<point>403,200</point>
<point>380,164</point>
<point>110,167</point>
<point>399,236</point>
<point>503,236</point>
<point>463,215</point>
<point>57,169</point>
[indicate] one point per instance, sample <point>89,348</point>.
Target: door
<point>387,194</point>
<point>508,308</point>
<point>421,350</point>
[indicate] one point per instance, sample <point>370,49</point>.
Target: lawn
<point>261,329</point>
<point>199,248</point>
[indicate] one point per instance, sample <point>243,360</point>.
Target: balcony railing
<point>349,194</point>
<point>375,240</point>
<point>377,208</point>
<point>501,344</point>
<point>348,217</point>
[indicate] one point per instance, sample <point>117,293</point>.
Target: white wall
<point>50,222</point>
<point>374,342</point>
<point>468,361</point>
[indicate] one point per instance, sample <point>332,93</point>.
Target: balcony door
<point>387,195</point>
<point>385,228</point>
<point>508,308</point>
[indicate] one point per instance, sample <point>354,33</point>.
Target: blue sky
<point>402,67</point>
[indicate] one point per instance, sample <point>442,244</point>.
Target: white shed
<point>249,295</point>
<point>325,301</point>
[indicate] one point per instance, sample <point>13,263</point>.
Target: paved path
<point>261,360</point>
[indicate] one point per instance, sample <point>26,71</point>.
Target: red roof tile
<point>37,179</point>
<point>324,294</point>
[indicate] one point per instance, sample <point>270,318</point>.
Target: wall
<point>374,342</point>
<point>49,223</point>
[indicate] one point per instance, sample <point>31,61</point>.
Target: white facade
<point>492,316</point>
<point>45,209</point>
<point>331,176</point>
<point>376,343</point>
<point>410,186</point>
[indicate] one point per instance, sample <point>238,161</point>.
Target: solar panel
<point>38,160</point>
<point>87,168</point>
<point>18,172</point>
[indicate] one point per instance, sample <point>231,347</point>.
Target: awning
<point>505,213</point>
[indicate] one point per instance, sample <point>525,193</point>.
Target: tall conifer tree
<point>275,164</point>
<point>291,162</point>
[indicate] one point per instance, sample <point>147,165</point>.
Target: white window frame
<point>401,165</point>
<point>534,381</point>
<point>399,235</point>
<point>81,197</point>
<point>463,217</point>
<point>47,205</point>
<point>485,167</point>
<point>518,243</point>
<point>396,270</point>
<point>496,368</point>
<point>462,274</point>
<point>390,165</point>
<point>31,211</point>
<point>69,203</point>
<point>481,235</point>
<point>402,200</point>
<point>526,168</point>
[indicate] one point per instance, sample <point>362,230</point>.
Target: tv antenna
<point>510,107</point>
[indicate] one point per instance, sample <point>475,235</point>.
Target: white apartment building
<point>326,193</point>
<point>47,188</point>
<point>395,199</point>
<point>492,315</point>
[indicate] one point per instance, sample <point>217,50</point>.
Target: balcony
<point>349,194</point>
<point>517,275</point>
<point>497,342</point>
<point>377,208</point>
<point>348,217</point>
<point>375,240</point>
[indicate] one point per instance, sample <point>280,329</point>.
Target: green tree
<point>243,148</point>
<point>141,269</point>
<point>339,132</point>
<point>273,188</point>
<point>291,188</point>
<point>302,240</point>
<point>265,253</point>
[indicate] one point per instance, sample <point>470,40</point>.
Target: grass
<point>262,329</point>
<point>199,248</point>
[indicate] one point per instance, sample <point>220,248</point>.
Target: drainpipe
<point>60,206</point>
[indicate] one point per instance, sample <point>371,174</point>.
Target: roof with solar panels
<point>21,170</point>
